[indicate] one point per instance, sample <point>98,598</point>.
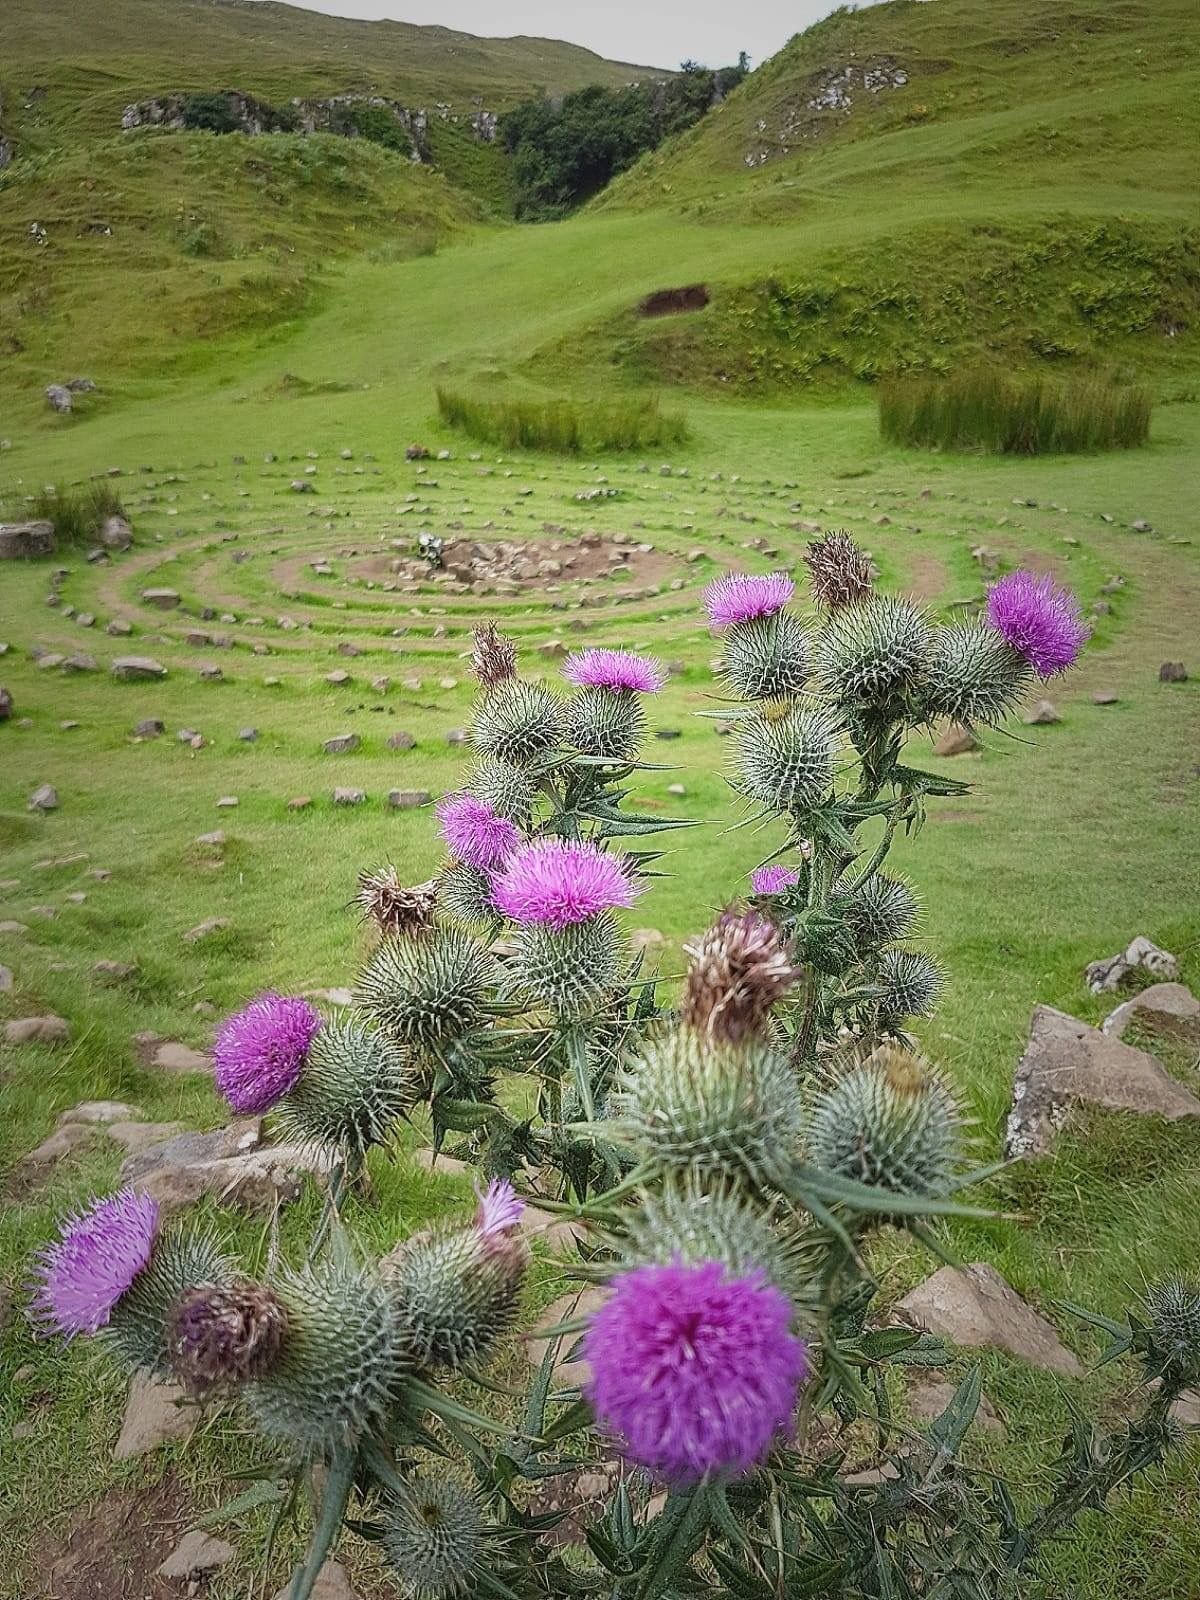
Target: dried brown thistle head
<point>839,571</point>
<point>394,907</point>
<point>493,656</point>
<point>740,968</point>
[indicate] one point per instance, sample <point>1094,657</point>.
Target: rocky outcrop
<point>352,116</point>
<point>26,541</point>
<point>1168,1009</point>
<point>1140,955</point>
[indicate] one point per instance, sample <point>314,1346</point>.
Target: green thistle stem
<point>575,1042</point>
<point>333,1508</point>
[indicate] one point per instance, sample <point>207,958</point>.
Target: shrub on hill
<point>984,409</point>
<point>562,425</point>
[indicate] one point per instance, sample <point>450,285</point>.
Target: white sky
<point>710,31</point>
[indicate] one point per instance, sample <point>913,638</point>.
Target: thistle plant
<point>733,1159</point>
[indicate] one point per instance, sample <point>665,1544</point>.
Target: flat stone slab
<point>930,1393</point>
<point>977,1309</point>
<point>1068,1065</point>
<point>137,669</point>
<point>37,1030</point>
<point>153,1416</point>
<point>99,1111</point>
<point>230,1165</point>
<point>172,1057</point>
<point>1169,1009</point>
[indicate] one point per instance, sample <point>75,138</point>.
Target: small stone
<point>332,1584</point>
<point>204,930</point>
<point>668,733</point>
<point>6,980</point>
<point>302,486</point>
<point>248,735</point>
<point>1105,697</point>
<point>1142,526</point>
<point>96,1113</point>
<point>161,599</point>
<point>300,802</point>
<point>349,797</point>
<point>227,802</point>
<point>171,1056</point>
<point>458,736</point>
<point>154,1414</point>
<point>44,798</point>
<point>338,678</point>
<point>956,740</point>
<point>114,971</point>
<point>677,790</point>
<point>13,929</point>
<point>118,628</point>
<point>401,741</point>
<point>976,1308</point>
<point>37,1030</point>
<point>196,1554</point>
<point>342,744</point>
<point>1042,715</point>
<point>131,669</point>
<point>213,841</point>
<point>1172,672</point>
<point>150,728</point>
<point>408,799</point>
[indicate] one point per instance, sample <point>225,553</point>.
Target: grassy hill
<point>1008,180</point>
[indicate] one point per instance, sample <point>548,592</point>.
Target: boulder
<point>155,1413</point>
<point>1142,954</point>
<point>44,798</point>
<point>136,669</point>
<point>116,534</point>
<point>1169,1009</point>
<point>37,1030</point>
<point>342,744</point>
<point>26,541</point>
<point>196,1555</point>
<point>231,1166</point>
<point>1068,1065</point>
<point>975,1307</point>
<point>1172,672</point>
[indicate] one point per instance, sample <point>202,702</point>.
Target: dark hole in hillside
<point>668,302</point>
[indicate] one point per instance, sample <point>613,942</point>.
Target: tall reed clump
<point>78,515</point>
<point>1004,414</point>
<point>565,427</point>
<point>728,1165</point>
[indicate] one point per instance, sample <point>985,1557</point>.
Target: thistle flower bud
<point>138,1332</point>
<point>597,722</point>
<point>427,990</point>
<point>391,906</point>
<point>219,1336</point>
<point>340,1364</point>
<point>518,722</point>
<point>493,657</point>
<point>433,1536</point>
<point>874,650</point>
<point>1174,1309</point>
<point>768,658</point>
<point>911,982</point>
<point>891,1124</point>
<point>691,1219</point>
<point>739,969</point>
<point>355,1087</point>
<point>465,895</point>
<point>571,970</point>
<point>839,571</point>
<point>507,789</point>
<point>786,757</point>
<point>882,911</point>
<point>974,676</point>
<point>690,1102</point>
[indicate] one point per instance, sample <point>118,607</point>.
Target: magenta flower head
<point>500,1209</point>
<point>261,1051</point>
<point>697,1372</point>
<point>79,1280</point>
<point>1039,619</point>
<point>617,670</point>
<point>559,884</point>
<point>773,880</point>
<point>739,597</point>
<point>475,833</point>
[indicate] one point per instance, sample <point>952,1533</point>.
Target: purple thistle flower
<point>617,670</point>
<point>260,1052</point>
<point>560,884</point>
<point>1039,619</point>
<point>696,1371</point>
<point>79,1280</point>
<point>475,833</point>
<point>500,1209</point>
<point>773,880</point>
<point>739,597</point>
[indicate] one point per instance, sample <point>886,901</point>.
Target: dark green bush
<point>562,426</point>
<point>984,409</point>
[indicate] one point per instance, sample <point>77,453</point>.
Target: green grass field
<point>1075,838</point>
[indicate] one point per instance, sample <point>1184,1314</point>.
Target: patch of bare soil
<point>670,302</point>
<point>112,1550</point>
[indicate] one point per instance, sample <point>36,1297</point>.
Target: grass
<point>562,426</point>
<point>984,409</point>
<point>78,515</point>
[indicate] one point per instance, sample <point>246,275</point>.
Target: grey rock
<point>13,929</point>
<point>349,797</point>
<point>227,802</point>
<point>300,802</point>
<point>171,1056</point>
<point>1168,1009</point>
<point>956,741</point>
<point>116,534</point>
<point>6,704</point>
<point>205,929</point>
<point>457,736</point>
<point>98,1113</point>
<point>401,740</point>
<point>332,1584</point>
<point>26,541</point>
<point>161,599</point>
<point>114,971</point>
<point>302,486</point>
<point>231,1166</point>
<point>1141,954</point>
<point>118,628</point>
<point>1067,1066</point>
<point>135,669</point>
<point>1106,697</point>
<point>342,744</point>
<point>37,1030</point>
<point>248,735</point>
<point>1042,715</point>
<point>79,661</point>
<point>6,980</point>
<point>977,1309</point>
<point>150,728</point>
<point>338,677</point>
<point>1142,526</point>
<point>155,1413</point>
<point>196,1554</point>
<point>210,674</point>
<point>59,398</point>
<point>1172,672</point>
<point>408,799</point>
<point>44,798</point>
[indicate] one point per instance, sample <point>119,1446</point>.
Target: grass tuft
<point>78,514</point>
<point>983,409</point>
<point>563,426</point>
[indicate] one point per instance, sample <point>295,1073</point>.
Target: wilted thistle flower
<point>183,1257</point>
<point>1039,619</point>
<point>695,1371</point>
<point>839,571</point>
<point>429,989</point>
<point>508,790</point>
<point>786,757</point>
<point>218,1336</point>
<point>393,907</point>
<point>474,833</point>
<point>493,657</point>
<point>911,982</point>
<point>741,597</point>
<point>773,879</point>
<point>768,658</point>
<point>689,1102</point>
<point>973,676</point>
<point>617,671</point>
<point>739,969</point>
<point>882,911</point>
<point>465,895</point>
<point>518,722</point>
<point>571,970</point>
<point>340,1365</point>
<point>874,650</point>
<point>79,1280</point>
<point>559,883</point>
<point>891,1124</point>
<point>456,1292</point>
<point>433,1536</point>
<point>260,1052</point>
<point>355,1087</point>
